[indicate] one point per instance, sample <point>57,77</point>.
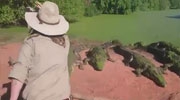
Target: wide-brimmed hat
<point>47,20</point>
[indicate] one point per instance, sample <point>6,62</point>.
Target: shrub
<point>19,14</point>
<point>90,11</point>
<point>73,10</point>
<point>7,15</point>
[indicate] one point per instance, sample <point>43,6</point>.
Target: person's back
<point>48,72</point>
<point>43,59</point>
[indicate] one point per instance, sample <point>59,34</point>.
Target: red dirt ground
<point>115,82</point>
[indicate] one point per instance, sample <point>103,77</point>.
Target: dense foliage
<point>12,11</point>
<point>174,4</point>
<point>72,9</point>
<point>128,6</point>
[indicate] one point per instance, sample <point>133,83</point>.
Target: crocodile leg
<point>128,59</point>
<point>78,57</point>
<point>108,55</point>
<point>85,61</point>
<point>80,66</point>
<point>78,60</point>
<point>138,72</point>
<point>163,68</point>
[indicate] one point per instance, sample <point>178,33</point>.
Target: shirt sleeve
<point>20,69</point>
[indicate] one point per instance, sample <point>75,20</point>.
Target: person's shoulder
<point>32,36</point>
<point>66,37</point>
<point>29,39</point>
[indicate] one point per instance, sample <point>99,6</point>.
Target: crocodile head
<point>97,57</point>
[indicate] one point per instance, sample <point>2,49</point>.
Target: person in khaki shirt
<point>42,62</point>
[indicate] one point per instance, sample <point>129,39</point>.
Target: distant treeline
<point>128,6</point>
<point>12,11</point>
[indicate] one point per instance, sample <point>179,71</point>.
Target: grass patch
<point>147,27</point>
<point>13,34</point>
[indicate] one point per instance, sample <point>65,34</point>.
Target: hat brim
<point>47,29</point>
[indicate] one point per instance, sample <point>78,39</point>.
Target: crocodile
<point>100,51</point>
<point>75,59</point>
<point>96,57</point>
<point>142,66</point>
<point>166,53</point>
<point>125,52</point>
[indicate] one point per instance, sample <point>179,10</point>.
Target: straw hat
<point>47,20</point>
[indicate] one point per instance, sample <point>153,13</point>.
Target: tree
<point>174,4</point>
<point>71,9</point>
<point>7,16</point>
<point>12,11</point>
<point>134,5</point>
<point>163,4</point>
<point>113,6</point>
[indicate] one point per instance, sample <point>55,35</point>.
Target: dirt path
<point>5,52</point>
<point>118,82</point>
<point>115,82</point>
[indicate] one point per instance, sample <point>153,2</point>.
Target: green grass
<point>12,34</point>
<point>141,26</point>
<point>147,27</point>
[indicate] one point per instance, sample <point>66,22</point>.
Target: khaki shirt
<point>43,64</point>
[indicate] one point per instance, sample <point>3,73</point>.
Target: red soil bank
<point>115,82</point>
